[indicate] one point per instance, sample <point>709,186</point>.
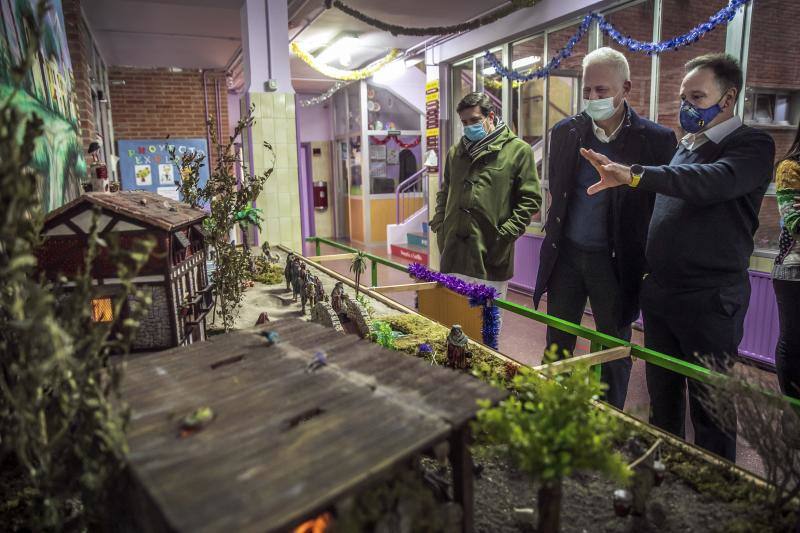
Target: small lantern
<point>623,502</point>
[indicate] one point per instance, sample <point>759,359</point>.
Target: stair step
<point>411,252</point>
<point>417,239</point>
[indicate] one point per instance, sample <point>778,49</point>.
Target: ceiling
<point>207,33</point>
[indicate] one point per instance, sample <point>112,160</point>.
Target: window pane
<point>490,81</point>
<point>637,22</point>
<point>527,101</point>
<point>340,124</point>
<point>769,229</point>
<point>772,95</point>
<point>385,111</point>
<point>102,310</point>
<point>680,16</point>
<point>462,85</point>
<point>563,97</point>
<point>354,103</point>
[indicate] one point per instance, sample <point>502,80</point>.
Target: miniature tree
<point>230,200</point>
<point>61,420</point>
<point>552,429</point>
<point>358,267</point>
<point>769,423</point>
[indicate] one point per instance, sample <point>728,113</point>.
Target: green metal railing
<point>598,340</point>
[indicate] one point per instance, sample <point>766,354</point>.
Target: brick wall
<point>79,56</point>
<point>154,103</point>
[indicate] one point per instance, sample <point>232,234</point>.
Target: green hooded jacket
<point>485,204</point>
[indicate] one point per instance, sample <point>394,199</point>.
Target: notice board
<point>145,164</point>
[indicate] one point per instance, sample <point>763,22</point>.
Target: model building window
<point>102,310</point>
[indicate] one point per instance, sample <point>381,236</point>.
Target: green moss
<point>268,273</point>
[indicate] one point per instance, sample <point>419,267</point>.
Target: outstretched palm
<point>611,174</point>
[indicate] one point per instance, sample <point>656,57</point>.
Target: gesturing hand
<point>611,174</point>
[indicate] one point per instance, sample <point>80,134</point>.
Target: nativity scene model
<point>174,275</point>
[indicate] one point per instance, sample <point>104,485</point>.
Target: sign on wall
<point>432,118</point>
<point>145,164</point>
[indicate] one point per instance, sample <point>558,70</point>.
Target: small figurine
<point>457,352</point>
<point>263,318</point>
<point>337,298</point>
<point>298,275</point>
<point>287,271</point>
<point>308,291</point>
<point>267,251</point>
<point>271,337</point>
<point>319,290</point>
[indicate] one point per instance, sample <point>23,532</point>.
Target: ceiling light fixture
<point>341,49</point>
<point>517,63</point>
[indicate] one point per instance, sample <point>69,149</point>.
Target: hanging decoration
<point>723,16</point>
<point>345,75</point>
<point>477,294</point>
<point>324,96</point>
<point>396,138</point>
<point>394,29</point>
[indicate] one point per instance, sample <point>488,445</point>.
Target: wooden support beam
<point>463,482</point>
<point>332,257</point>
<point>594,358</point>
<point>385,289</point>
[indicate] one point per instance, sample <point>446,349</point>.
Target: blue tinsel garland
<point>477,294</point>
<point>723,16</point>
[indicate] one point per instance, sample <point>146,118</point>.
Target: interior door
<point>341,186</point>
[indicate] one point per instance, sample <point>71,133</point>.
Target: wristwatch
<point>637,171</point>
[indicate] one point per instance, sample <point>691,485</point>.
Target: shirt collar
<point>715,134</point>
<point>601,134</point>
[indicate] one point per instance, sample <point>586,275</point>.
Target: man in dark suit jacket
<point>594,245</point>
<point>701,237</point>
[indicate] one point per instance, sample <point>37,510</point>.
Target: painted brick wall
<point>154,103</point>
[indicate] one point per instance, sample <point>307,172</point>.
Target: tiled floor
<point>524,340</point>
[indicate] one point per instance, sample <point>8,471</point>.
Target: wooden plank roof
<point>286,443</point>
<point>147,207</point>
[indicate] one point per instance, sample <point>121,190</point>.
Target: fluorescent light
<point>390,72</point>
<point>519,63</point>
<point>341,49</point>
<point>525,61</point>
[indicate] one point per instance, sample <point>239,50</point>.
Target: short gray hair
<point>610,57</point>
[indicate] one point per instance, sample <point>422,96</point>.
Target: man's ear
<point>730,97</point>
<point>626,87</point>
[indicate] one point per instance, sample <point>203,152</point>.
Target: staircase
<point>415,248</point>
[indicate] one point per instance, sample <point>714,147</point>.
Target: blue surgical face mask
<point>475,132</point>
<point>694,119</point>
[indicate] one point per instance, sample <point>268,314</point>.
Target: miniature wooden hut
<point>174,275</point>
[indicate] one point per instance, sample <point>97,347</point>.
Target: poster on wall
<point>46,92</point>
<point>392,156</point>
<point>145,164</point>
<point>377,152</point>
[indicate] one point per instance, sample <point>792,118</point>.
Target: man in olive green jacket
<point>489,191</point>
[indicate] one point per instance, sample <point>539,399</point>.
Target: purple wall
<point>314,123</point>
<point>760,323</point>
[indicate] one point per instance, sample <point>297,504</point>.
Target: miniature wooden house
<point>174,274</point>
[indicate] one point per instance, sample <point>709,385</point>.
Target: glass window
<point>385,111</point>
<point>527,101</point>
<point>678,17</point>
<point>463,84</point>
<point>635,21</point>
<point>340,120</point>
<point>490,81</point>
<point>102,310</point>
<point>772,94</point>
<point>355,165</point>
<point>354,107</point>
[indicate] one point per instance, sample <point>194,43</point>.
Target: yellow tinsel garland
<point>346,75</point>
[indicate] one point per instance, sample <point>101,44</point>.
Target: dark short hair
<point>476,99</point>
<point>725,67</point>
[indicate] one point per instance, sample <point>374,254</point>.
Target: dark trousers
<point>787,352</point>
<point>704,327</point>
<point>579,275</point>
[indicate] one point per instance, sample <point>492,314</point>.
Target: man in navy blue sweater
<point>701,237</point>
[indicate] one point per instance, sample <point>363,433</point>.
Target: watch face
<point>637,169</point>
